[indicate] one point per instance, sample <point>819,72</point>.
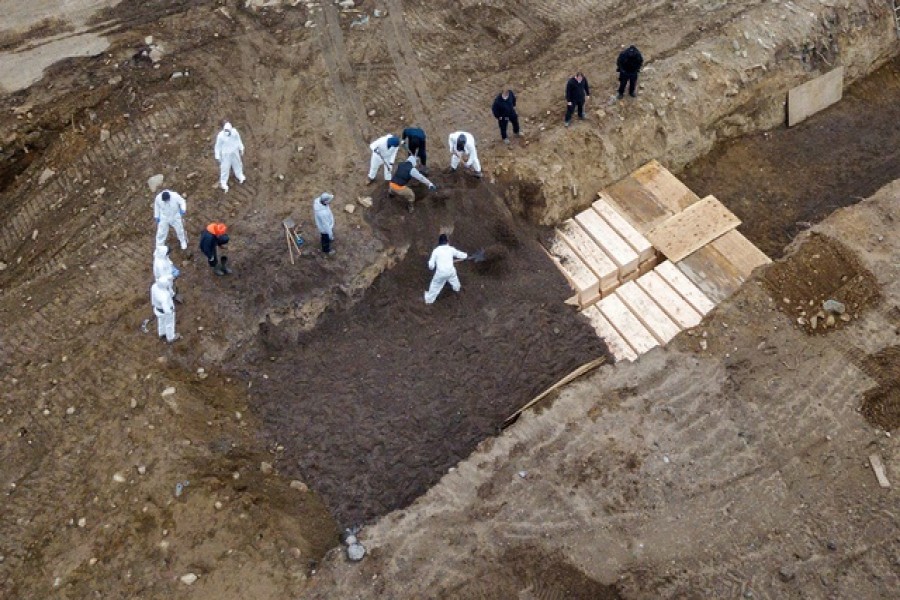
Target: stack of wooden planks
<point>650,258</point>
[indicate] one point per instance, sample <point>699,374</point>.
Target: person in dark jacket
<point>414,140</point>
<point>577,92</point>
<point>399,185</point>
<point>629,65</point>
<point>212,237</point>
<point>504,109</point>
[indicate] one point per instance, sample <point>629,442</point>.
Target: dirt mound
<point>881,404</point>
<point>380,400</point>
<point>822,269</point>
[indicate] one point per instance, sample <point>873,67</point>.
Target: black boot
<point>217,268</point>
<point>225,265</point>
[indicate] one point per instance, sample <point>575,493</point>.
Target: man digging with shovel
<point>441,262</point>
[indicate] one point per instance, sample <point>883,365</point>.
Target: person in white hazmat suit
<point>384,152</point>
<point>229,150</point>
<point>168,208</point>
<point>162,297</point>
<point>463,144</point>
<point>324,220</point>
<point>441,262</point>
<point>162,264</point>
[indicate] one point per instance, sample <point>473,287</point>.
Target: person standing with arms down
<point>414,140</point>
<point>168,208</point>
<point>384,152</point>
<point>399,186</point>
<point>213,236</point>
<point>228,151</point>
<point>324,220</point>
<point>629,65</point>
<point>162,296</point>
<point>577,93</point>
<point>504,109</point>
<point>463,144</point>
<point>441,262</point>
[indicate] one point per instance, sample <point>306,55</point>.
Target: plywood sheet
<point>648,312</point>
<point>591,253</point>
<point>811,97</point>
<point>712,272</point>
<point>580,277</point>
<point>685,287</point>
<point>614,340</point>
<point>628,326</point>
<point>674,305</point>
<point>694,227</point>
<point>615,247</point>
<point>626,230</point>
<point>667,189</point>
<point>740,252</point>
<point>637,204</point>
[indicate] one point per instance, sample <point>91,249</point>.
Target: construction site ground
<point>311,397</point>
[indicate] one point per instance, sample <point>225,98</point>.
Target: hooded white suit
<point>383,153</point>
<point>162,298</point>
<point>169,212</point>
<point>229,150</point>
<point>162,264</point>
<point>441,262</point>
<point>469,149</point>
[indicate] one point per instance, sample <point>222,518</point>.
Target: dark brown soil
<point>822,269</point>
<point>780,182</point>
<point>378,401</point>
<point>881,404</point>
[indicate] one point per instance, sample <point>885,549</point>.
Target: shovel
<point>477,256</point>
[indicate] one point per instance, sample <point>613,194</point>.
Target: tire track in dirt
<point>334,52</point>
<point>407,66</point>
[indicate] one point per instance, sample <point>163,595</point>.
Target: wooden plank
<point>678,309</point>
<point>878,467</point>
<point>591,253</point>
<point>740,252</point>
<point>637,204</point>
<point>582,370</point>
<point>628,326</point>
<point>614,246</point>
<point>691,229</point>
<point>809,98</point>
<point>712,272</point>
<point>667,189</point>
<point>616,344</point>
<point>685,287</point>
<point>635,239</point>
<point>580,277</point>
<point>648,312</point>
<point>647,266</point>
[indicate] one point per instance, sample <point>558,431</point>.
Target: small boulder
<point>104,135</point>
<point>299,486</point>
<point>834,307</point>
<point>350,208</point>
<point>155,182</point>
<point>266,468</point>
<point>188,578</point>
<point>46,175</point>
<point>356,552</point>
<point>366,201</point>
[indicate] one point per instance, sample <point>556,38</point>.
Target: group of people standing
<point>169,209</point>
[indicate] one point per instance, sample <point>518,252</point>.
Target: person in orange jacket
<point>213,236</point>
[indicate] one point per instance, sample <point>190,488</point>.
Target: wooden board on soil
<point>580,277</point>
<point>691,229</point>
<point>740,252</point>
<point>712,272</point>
<point>628,326</point>
<point>614,340</point>
<point>591,253</point>
<point>626,230</point>
<point>648,312</point>
<point>674,305</point>
<point>618,249</point>
<point>694,296</point>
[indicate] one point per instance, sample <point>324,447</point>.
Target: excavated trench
<point>408,406</point>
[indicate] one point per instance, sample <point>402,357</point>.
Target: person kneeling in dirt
<point>161,297</point>
<point>463,144</point>
<point>212,237</point>
<point>441,262</point>
<point>399,186</point>
<point>324,220</point>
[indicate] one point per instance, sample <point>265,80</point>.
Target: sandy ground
<point>100,421</point>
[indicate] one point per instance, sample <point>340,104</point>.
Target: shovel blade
<point>477,256</point>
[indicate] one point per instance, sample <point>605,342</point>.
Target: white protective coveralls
<point>383,155</point>
<point>169,212</point>
<point>229,150</point>
<point>162,298</point>
<point>469,149</point>
<point>323,215</point>
<point>441,262</point>
<point>162,264</point>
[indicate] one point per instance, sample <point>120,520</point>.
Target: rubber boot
<point>225,265</point>
<point>217,268</point>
